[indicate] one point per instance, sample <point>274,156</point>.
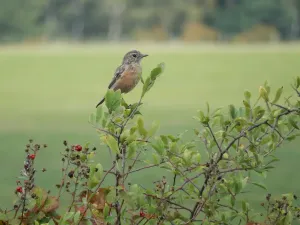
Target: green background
<point>47,93</point>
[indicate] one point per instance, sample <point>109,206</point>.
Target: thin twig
<point>74,192</point>
<point>142,168</point>
<point>214,137</point>
<point>169,201</point>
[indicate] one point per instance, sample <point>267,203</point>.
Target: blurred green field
<point>47,93</point>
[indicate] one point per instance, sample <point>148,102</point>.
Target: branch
<point>229,207</point>
<point>105,131</point>
<point>142,168</point>
<point>74,193</point>
<point>169,201</point>
<point>214,137</point>
<point>132,165</point>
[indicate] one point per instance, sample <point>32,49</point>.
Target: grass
<point>48,93</point>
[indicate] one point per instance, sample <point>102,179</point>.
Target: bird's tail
<point>100,102</point>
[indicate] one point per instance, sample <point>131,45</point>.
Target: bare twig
<point>214,137</point>
<point>169,201</point>
<point>142,168</point>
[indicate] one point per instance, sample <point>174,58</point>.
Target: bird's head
<point>133,56</point>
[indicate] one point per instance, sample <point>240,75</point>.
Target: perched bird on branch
<point>128,74</point>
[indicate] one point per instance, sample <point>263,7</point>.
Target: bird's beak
<point>145,55</point>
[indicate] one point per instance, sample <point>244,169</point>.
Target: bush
<point>258,33</point>
<point>198,185</point>
<point>156,33</point>
<point>199,32</point>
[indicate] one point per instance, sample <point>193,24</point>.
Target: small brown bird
<point>128,74</point>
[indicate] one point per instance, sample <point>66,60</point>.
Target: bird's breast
<point>130,78</point>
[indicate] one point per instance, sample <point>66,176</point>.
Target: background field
<point>47,93</point>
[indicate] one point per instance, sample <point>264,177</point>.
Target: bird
<point>128,74</point>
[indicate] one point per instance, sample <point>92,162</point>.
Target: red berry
<point>32,156</point>
<point>19,189</point>
<point>78,148</point>
<point>142,214</point>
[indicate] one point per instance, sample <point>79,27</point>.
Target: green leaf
<point>289,197</point>
<point>99,114</point>
<point>124,136</point>
<point>76,217</point>
<point>131,138</point>
<point>106,210</point>
<point>134,188</point>
<point>113,99</point>
<point>174,147</point>
<point>158,145</point>
<point>259,185</point>
<point>246,104</point>
<point>288,218</point>
<point>187,155</point>
<point>201,115</point>
<point>110,219</point>
<point>133,130</point>
<point>156,72</point>
<point>207,106</point>
<point>123,103</point>
<point>41,195</point>
<point>245,206</point>
<point>93,181</point>
<point>247,95</point>
<point>164,139</point>
<point>297,82</point>
<point>147,86</point>
<point>232,201</point>
<point>293,123</point>
<point>151,79</point>
<point>98,171</point>
<point>292,137</point>
<point>258,112</point>
<point>131,150</point>
<point>267,87</point>
<point>244,182</point>
<point>112,143</point>
<point>141,128</point>
<point>232,111</point>
<point>154,128</point>
<point>156,158</point>
<point>67,216</point>
<point>167,166</point>
<point>104,120</point>
<point>196,158</point>
<point>277,95</point>
<point>263,93</point>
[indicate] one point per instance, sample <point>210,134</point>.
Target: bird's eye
<point>134,55</point>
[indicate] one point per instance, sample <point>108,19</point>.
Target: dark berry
<point>71,174</point>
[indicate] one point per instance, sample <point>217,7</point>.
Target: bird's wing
<point>117,75</point>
